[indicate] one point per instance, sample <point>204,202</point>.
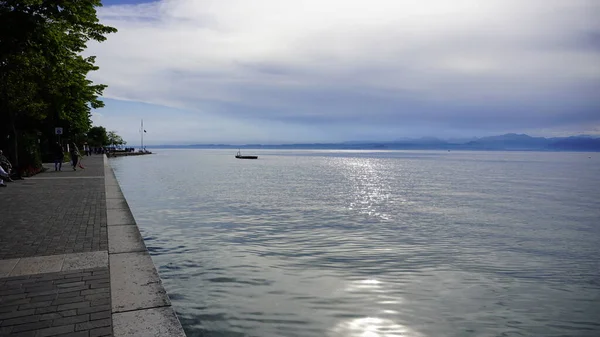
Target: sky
<point>279,71</point>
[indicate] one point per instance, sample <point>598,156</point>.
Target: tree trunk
<point>16,141</point>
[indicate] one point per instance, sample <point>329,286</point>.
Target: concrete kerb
<point>125,239</point>
<point>135,283</point>
<point>53,263</point>
<point>155,322</point>
<point>140,304</point>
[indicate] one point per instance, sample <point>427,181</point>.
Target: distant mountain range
<point>507,142</point>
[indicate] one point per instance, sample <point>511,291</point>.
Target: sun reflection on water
<point>369,192</point>
<point>373,326</point>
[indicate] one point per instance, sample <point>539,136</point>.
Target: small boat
<point>239,156</point>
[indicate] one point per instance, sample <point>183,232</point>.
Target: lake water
<point>373,244</point>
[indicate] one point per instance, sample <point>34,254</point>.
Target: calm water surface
<point>373,244</point>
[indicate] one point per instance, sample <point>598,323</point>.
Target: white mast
<point>142,132</point>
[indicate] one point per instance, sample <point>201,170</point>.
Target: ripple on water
<point>372,243</point>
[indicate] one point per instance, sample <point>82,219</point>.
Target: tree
<point>43,76</point>
<point>115,139</point>
<point>97,136</point>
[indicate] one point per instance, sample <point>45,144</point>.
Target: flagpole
<point>142,132</point>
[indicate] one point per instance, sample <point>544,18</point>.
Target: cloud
<point>397,64</point>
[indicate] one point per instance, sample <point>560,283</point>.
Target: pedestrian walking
<point>59,157</point>
<point>74,151</point>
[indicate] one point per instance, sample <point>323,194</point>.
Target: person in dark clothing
<point>74,151</point>
<point>59,157</point>
<point>5,168</point>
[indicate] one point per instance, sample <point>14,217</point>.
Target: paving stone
<point>68,300</point>
<point>56,315</point>
<point>6,266</point>
<point>69,294</point>
<point>44,298</point>
<point>50,316</point>
<point>97,297</point>
<point>32,326</point>
<point>20,320</point>
<point>5,331</point>
<point>55,330</point>
<point>23,334</point>
<point>50,309</point>
<point>86,260</point>
<point>98,302</point>
<point>95,291</point>
<point>41,287</point>
<point>113,192</point>
<point>34,305</point>
<point>71,320</point>
<point>94,309</point>
<point>48,286</point>
<point>115,203</point>
<point>106,331</point>
<point>8,308</point>
<point>71,284</point>
<point>157,322</point>
<point>99,323</point>
<point>11,291</point>
<point>13,314</point>
<point>68,280</point>
<point>100,315</point>
<point>72,289</point>
<point>135,284</point>
<point>40,215</point>
<point>38,265</point>
<point>77,305</point>
<point>124,239</point>
<point>11,297</point>
<point>67,313</point>
<point>116,217</point>
<point>74,334</point>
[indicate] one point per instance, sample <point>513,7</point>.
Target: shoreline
<point>140,304</point>
<point>126,154</point>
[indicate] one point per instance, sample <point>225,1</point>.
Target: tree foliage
<point>97,136</point>
<point>115,139</point>
<point>43,75</point>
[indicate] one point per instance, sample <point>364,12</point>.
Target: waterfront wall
<point>140,304</point>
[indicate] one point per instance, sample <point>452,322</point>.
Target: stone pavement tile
<point>52,263</point>
<point>6,266</point>
<point>113,192</point>
<point>116,204</point>
<point>45,177</point>
<point>38,265</point>
<point>125,239</point>
<point>110,179</point>
<point>44,216</point>
<point>119,217</point>
<point>85,260</point>
<point>94,166</point>
<point>56,303</point>
<point>135,283</point>
<point>157,322</point>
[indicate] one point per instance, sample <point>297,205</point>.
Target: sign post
<point>58,131</point>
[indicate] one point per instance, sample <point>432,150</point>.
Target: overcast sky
<point>276,71</point>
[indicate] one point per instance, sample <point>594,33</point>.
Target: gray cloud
<point>436,66</point>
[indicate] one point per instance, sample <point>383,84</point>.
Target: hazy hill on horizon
<point>509,141</point>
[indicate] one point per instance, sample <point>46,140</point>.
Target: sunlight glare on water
<point>372,243</point>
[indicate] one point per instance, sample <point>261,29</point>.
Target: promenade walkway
<point>72,261</point>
